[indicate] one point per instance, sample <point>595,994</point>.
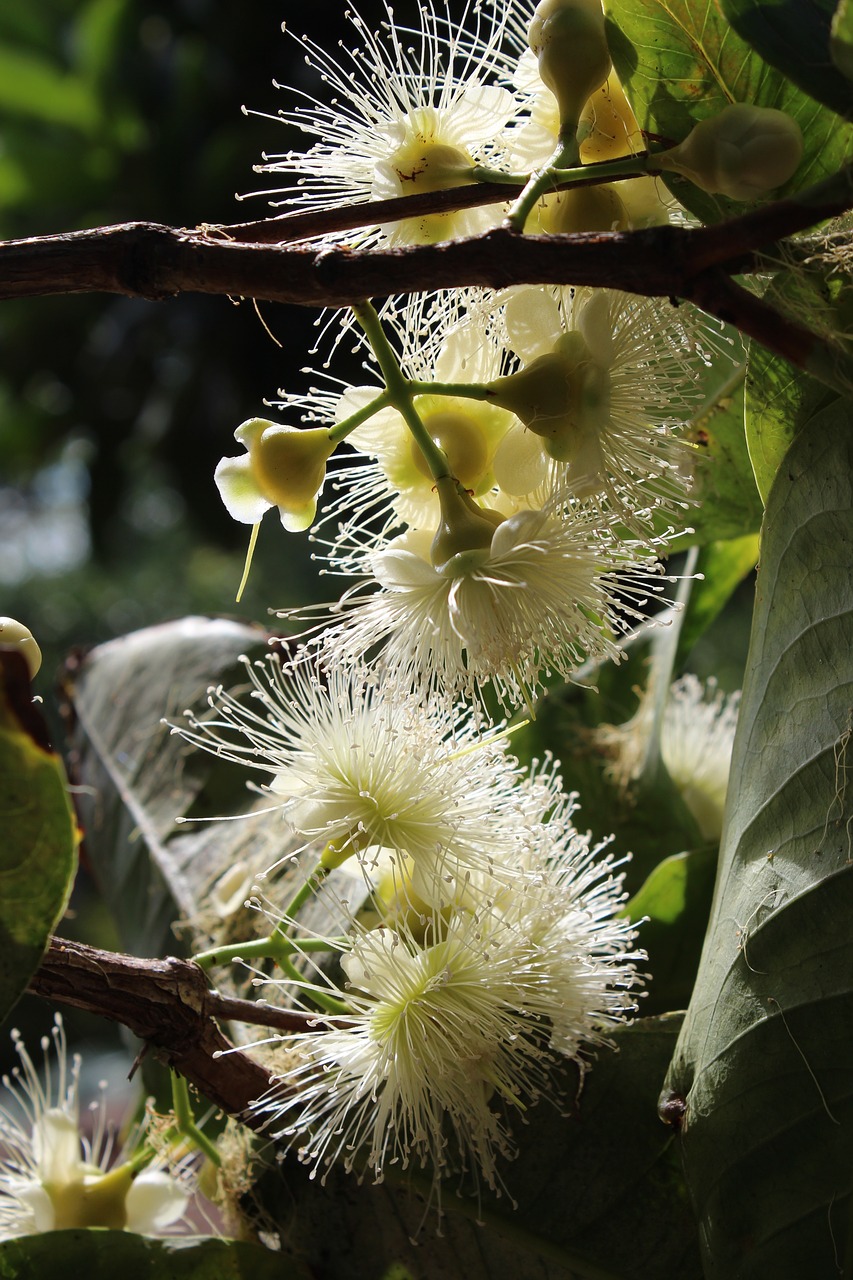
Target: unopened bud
<point>742,153</point>
<point>568,39</point>
<point>15,633</point>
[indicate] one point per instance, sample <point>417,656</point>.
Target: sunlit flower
<point>437,342</point>
<point>51,1177</point>
<point>282,467</point>
<point>356,768</point>
<point>450,1030</point>
<point>553,588</point>
<point>605,382</point>
<point>408,111</point>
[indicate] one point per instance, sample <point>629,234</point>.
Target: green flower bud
<point>567,37</point>
<point>742,153</point>
<point>465,532</point>
<point>15,633</point>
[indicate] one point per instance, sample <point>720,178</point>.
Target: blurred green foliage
<point>114,411</point>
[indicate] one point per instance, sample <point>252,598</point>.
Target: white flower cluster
<point>521,462</point>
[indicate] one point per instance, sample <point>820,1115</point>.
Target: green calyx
<point>465,532</point>
<point>288,464</point>
<point>562,396</point>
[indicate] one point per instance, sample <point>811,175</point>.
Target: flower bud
<point>285,467</point>
<point>15,633</point>
<point>742,153</point>
<point>465,532</point>
<point>567,37</point>
<point>608,126</point>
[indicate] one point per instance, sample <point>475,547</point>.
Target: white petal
<point>533,323</point>
<point>154,1202</point>
<point>38,1208</point>
<point>56,1147</point>
<point>520,464</point>
<point>239,491</point>
<point>401,571</point>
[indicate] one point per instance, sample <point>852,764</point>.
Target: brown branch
<point>168,1004</point>
<point>153,261</point>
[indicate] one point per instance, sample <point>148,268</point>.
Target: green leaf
<point>728,504</point>
<point>38,850</point>
<point>609,1161</point>
<point>841,40</point>
<point>762,1066</point>
<point>104,1255</point>
<point>140,777</point>
<point>794,36</point>
<point>723,566</point>
<point>680,62</point>
<point>780,402</point>
<point>676,898</point>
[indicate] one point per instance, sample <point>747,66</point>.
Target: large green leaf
<point>780,401</point>
<point>609,1161</point>
<point>104,1255</point>
<point>680,62</point>
<point>763,1064</point>
<point>139,777</point>
<point>38,849</point>
<point>794,36</point>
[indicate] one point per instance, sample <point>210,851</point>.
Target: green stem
<point>327,1003</point>
<point>400,391</point>
<point>270,947</point>
<point>566,155</point>
<point>343,429</point>
<point>469,390</point>
<point>186,1120</point>
<point>482,173</point>
<point>633,166</point>
<point>311,885</point>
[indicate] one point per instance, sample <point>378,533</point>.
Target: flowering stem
<point>470,390</point>
<point>399,389</point>
<point>633,166</point>
<point>185,1120</point>
<point>541,180</point>
<point>343,428</point>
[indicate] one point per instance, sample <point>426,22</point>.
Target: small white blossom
<point>355,767</point>
<point>697,736</point>
<point>51,1177</point>
<point>554,588</point>
<point>403,118</point>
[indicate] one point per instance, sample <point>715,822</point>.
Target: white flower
<point>409,111</point>
<point>552,589</point>
<point>357,768</point>
<point>437,342</point>
<point>451,1028</point>
<point>51,1177</point>
<point>697,732</point>
<point>606,379</point>
<point>697,736</point>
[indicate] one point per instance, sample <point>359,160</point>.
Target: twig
<point>168,1004</point>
